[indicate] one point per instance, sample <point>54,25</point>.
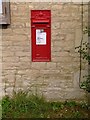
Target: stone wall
<point>58,79</point>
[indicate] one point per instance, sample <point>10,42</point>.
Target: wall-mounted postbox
<point>41,35</point>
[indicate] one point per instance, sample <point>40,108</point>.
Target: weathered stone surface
<point>58,79</point>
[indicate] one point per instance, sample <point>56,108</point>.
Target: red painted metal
<point>41,22</point>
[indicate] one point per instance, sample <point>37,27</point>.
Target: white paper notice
<point>40,37</point>
<point>0,6</point>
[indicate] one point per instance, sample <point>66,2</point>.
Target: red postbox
<point>41,35</point>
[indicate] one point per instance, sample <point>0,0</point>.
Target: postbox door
<point>41,50</point>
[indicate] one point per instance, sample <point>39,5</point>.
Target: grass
<point>23,105</point>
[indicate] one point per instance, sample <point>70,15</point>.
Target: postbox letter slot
<point>40,22</point>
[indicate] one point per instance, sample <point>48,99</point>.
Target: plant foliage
<point>84,51</point>
<point>25,105</point>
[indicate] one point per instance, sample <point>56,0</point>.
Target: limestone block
<point>7,54</point>
<point>24,65</point>
<point>11,59</point>
<point>26,59</point>
<point>38,65</point>
<point>7,43</point>
<point>51,66</point>
<point>7,31</point>
<point>19,31</point>
<point>62,59</point>
<point>78,37</point>
<point>22,54</point>
<point>9,65</point>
